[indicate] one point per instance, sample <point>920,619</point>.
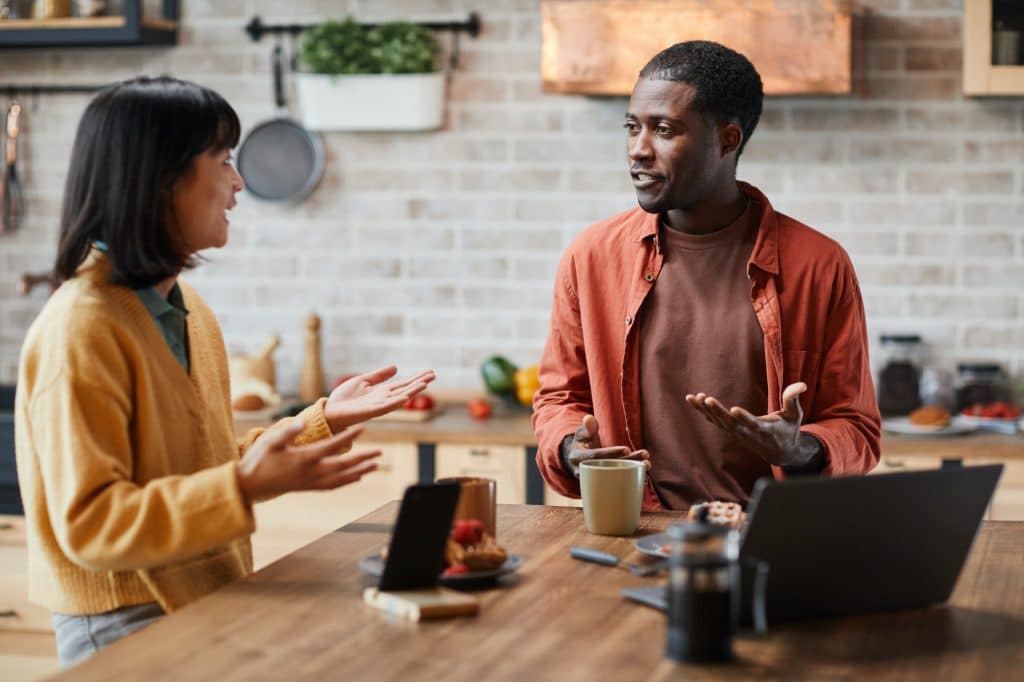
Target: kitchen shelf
<point>981,76</point>
<point>131,29</point>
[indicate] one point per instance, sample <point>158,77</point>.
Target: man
<point>677,322</point>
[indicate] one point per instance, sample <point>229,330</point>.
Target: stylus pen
<point>605,559</point>
<point>597,557</point>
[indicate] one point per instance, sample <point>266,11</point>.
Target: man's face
<point>673,150</point>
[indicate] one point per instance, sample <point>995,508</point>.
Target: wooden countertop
<point>303,618</point>
<point>455,426</point>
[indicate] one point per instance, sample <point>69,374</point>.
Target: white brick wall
<point>437,249</point>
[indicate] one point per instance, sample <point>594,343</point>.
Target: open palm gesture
<point>774,436</point>
<point>367,395</point>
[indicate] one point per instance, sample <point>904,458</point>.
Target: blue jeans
<point>79,637</point>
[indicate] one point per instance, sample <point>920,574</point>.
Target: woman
<point>138,499</point>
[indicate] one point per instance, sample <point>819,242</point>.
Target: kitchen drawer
<point>556,500</point>
<point>397,467</point>
<point>1008,501</point>
<point>506,464</point>
<point>1007,505</point>
<point>293,520</point>
<point>27,656</point>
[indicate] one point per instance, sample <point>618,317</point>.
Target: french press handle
<point>758,603</point>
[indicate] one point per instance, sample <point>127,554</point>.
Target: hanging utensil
<point>279,159</point>
<point>13,200</point>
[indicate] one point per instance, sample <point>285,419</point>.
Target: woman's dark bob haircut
<point>135,139</point>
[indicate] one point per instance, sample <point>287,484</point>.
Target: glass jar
<point>899,381</point>
<point>981,384</point>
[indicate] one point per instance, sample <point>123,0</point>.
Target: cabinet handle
<point>6,525</point>
<point>9,613</point>
<point>479,452</point>
<point>895,463</point>
<point>476,471</point>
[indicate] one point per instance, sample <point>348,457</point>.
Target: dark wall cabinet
<point>127,29</point>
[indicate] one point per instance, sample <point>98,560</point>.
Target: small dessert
<point>930,415</point>
<point>719,513</point>
<point>470,549</point>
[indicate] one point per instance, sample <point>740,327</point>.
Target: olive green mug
<point>612,491</point>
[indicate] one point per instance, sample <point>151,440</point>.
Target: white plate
<point>652,545</point>
<point>1007,426</point>
<point>902,425</point>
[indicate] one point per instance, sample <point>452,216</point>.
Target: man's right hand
<point>272,465</point>
<point>585,444</point>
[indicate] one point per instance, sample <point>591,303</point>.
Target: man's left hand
<point>775,437</point>
<point>366,396</point>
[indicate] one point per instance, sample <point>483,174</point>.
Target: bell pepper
<point>527,384</point>
<point>499,375</point>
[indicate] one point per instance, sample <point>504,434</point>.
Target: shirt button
<point>629,320</point>
<point>649,277</point>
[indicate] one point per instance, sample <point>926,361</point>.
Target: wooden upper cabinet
<point>597,47</point>
<point>993,47</point>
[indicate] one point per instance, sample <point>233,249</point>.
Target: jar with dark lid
<point>981,384</point>
<point>899,381</point>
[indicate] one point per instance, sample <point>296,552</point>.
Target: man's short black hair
<point>135,139</point>
<point>727,86</point>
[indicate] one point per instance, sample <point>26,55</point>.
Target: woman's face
<point>201,199</point>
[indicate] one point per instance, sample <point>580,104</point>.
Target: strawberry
<point>468,532</point>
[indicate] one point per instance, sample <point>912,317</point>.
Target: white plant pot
<point>372,102</point>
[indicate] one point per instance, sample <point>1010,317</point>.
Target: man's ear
<point>730,136</point>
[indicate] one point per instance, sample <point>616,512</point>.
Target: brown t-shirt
<point>698,333</point>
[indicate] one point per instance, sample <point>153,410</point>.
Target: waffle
<point>718,513</point>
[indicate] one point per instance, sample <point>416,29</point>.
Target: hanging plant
<point>346,47</point>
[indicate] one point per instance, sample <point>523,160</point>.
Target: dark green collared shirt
<point>169,315</point>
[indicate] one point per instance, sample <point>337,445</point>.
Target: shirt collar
<point>158,306</point>
<point>765,254</point>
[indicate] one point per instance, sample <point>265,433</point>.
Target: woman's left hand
<point>366,396</point>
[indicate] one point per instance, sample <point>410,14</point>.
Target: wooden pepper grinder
<point>311,386</point>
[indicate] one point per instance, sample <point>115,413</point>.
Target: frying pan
<point>11,196</point>
<point>279,159</point>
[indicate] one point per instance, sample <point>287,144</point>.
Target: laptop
<point>859,544</point>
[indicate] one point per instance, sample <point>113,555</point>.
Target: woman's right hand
<point>272,465</point>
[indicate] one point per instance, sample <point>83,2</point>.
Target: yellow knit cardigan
<point>126,463</point>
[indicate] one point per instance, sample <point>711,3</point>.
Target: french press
<point>704,592</point>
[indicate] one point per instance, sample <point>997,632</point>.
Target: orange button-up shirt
<point>804,293</point>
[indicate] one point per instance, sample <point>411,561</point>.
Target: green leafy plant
<point>346,47</point>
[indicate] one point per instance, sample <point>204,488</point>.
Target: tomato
<point>420,402</point>
<point>479,408</point>
<point>456,569</point>
<point>408,405</point>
